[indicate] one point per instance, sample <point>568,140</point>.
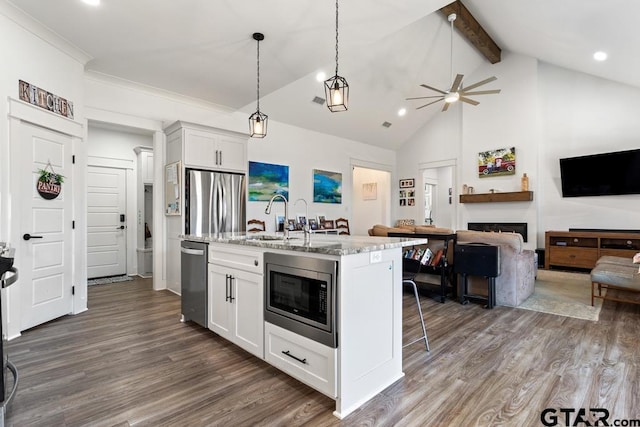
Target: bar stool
<point>410,268</point>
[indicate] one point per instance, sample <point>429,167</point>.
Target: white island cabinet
<point>368,356</point>
<point>236,297</point>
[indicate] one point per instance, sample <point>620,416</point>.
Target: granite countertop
<point>328,245</point>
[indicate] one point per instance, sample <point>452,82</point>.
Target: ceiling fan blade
<point>480,92</point>
<point>424,97</point>
<point>456,83</point>
<point>425,105</point>
<point>483,82</point>
<point>446,106</point>
<point>468,100</point>
<point>433,88</point>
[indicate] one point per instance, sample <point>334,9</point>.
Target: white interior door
<point>46,246</point>
<point>106,232</point>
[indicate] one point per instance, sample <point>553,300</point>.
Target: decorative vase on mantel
<point>524,183</point>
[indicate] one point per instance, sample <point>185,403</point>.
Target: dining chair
<point>255,225</point>
<point>342,225</point>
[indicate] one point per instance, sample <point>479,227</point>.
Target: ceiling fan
<point>457,92</point>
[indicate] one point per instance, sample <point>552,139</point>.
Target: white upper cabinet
<point>205,147</point>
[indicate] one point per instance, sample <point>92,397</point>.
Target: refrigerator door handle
<point>213,208</point>
<point>223,204</point>
<point>220,204</point>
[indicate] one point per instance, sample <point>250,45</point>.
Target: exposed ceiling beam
<point>473,31</point>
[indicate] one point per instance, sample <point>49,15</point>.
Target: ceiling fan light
<point>451,97</point>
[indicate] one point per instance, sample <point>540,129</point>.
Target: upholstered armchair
<point>517,277</point>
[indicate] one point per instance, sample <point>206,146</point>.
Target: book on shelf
<point>426,256</point>
<point>435,261</point>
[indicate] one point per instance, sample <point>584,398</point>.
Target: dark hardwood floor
<point>129,361</point>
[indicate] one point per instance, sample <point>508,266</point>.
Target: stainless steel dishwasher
<point>193,257</point>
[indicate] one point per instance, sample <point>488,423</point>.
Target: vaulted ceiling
<point>203,49</point>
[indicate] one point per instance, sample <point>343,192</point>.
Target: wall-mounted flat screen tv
<point>601,174</point>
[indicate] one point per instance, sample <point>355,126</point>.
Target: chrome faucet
<point>286,213</point>
<point>305,227</point>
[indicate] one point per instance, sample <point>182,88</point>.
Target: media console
<point>581,249</point>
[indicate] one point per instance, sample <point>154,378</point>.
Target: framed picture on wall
<point>328,224</point>
<point>407,183</point>
<point>327,186</point>
<point>501,161</point>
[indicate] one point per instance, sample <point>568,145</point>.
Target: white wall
<point>370,212</point>
<point>435,145</point>
<point>582,115</point>
<point>509,119</point>
<point>546,112</point>
<point>303,151</point>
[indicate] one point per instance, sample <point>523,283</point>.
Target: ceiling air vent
<point>318,100</point>
<point>386,124</point>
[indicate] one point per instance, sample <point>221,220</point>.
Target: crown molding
<point>39,30</point>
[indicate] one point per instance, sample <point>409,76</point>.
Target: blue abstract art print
<point>327,186</point>
<point>267,180</point>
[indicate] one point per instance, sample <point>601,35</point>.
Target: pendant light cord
<point>336,37</point>
<point>258,85</point>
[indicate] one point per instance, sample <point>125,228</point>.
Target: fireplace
<point>504,227</point>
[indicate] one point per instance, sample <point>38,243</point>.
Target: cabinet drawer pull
<point>226,287</point>
<point>293,357</point>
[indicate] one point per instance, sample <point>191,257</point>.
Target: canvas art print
<point>267,180</point>
<point>497,162</point>
<point>327,186</point>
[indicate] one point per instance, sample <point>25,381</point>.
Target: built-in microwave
<point>300,295</point>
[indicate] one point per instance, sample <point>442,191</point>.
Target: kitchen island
<point>367,355</point>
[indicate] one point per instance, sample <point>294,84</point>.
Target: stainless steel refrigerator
<point>215,202</point>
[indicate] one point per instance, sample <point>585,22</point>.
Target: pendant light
<point>258,120</point>
<point>336,88</point>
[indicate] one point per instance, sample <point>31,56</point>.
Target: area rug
<point>107,280</point>
<point>564,294</point>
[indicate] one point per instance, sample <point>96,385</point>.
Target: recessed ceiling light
<point>600,56</point>
<point>92,2</point>
<point>402,112</point>
<point>321,76</point>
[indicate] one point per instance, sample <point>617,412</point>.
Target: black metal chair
<point>410,269</point>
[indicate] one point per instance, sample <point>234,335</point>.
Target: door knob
<point>28,236</point>
<point>120,228</point>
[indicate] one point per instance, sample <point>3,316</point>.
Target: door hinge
<point>73,225</point>
<point>73,290</point>
<point>73,159</point>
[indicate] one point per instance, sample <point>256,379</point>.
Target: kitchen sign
<point>43,99</point>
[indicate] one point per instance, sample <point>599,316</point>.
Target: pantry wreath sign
<point>49,184</point>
